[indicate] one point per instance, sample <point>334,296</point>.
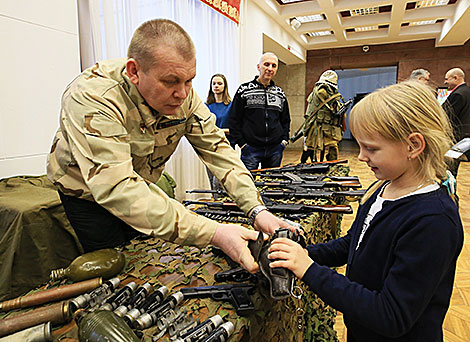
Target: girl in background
<point>402,248</point>
<point>219,102</point>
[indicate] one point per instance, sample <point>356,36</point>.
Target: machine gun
<point>303,130</point>
<point>236,294</point>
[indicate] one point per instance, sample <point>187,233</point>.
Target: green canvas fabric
<point>35,235</point>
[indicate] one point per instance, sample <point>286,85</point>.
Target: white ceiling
<point>392,21</point>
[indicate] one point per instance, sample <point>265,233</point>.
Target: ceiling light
<point>309,18</point>
<point>431,3</point>
<point>364,11</point>
<point>289,1</point>
<point>423,22</point>
<point>366,28</point>
<point>318,33</point>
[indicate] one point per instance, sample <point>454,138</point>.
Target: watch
<point>255,211</point>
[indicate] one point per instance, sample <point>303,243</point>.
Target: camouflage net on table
<point>163,263</point>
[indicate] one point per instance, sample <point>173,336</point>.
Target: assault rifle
<point>292,192</point>
<point>309,184</point>
<point>304,167</point>
<point>299,192</point>
<point>303,130</point>
<point>285,208</point>
<point>237,294</point>
<point>305,177</point>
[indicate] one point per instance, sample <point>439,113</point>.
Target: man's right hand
<point>233,240</point>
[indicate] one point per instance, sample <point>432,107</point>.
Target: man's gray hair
<point>267,54</point>
<point>417,73</point>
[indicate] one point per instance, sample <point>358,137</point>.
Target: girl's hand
<point>291,256</point>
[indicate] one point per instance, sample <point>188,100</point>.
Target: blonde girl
<point>402,248</point>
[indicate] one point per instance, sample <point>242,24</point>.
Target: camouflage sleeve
<point>100,146</point>
<point>213,148</point>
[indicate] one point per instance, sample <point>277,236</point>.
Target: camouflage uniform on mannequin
<point>326,130</point>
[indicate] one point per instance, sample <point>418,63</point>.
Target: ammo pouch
<point>280,280</point>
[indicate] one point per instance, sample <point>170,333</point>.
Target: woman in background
<point>219,102</point>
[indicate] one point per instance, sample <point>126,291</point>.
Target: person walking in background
<point>219,103</point>
<point>457,107</point>
<point>396,288</point>
<point>420,75</point>
<point>326,128</point>
<point>259,118</point>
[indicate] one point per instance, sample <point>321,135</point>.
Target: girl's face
<point>387,159</point>
<point>218,85</point>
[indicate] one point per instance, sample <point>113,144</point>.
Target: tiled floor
<point>457,322</point>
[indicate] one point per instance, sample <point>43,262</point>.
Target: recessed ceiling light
<point>431,3</point>
<point>366,28</point>
<point>318,33</point>
<point>364,11</point>
<point>309,18</point>
<point>288,1</point>
<point>422,22</point>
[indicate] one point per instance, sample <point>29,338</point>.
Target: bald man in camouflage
<point>120,121</point>
<point>326,130</point>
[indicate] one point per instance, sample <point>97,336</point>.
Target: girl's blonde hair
<point>401,109</point>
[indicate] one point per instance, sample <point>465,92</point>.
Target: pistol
<point>236,294</point>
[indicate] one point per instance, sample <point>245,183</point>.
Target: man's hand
<point>268,223</point>
<point>233,240</point>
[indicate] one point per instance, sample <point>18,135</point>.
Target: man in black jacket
<point>457,107</point>
<point>259,118</point>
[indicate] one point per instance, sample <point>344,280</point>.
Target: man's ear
<point>417,144</point>
<point>133,69</point>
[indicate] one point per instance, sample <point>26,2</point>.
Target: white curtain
<point>106,27</point>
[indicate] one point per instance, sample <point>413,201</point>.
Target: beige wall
<point>291,79</point>
<point>39,57</point>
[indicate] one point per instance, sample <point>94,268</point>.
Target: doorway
<point>356,83</point>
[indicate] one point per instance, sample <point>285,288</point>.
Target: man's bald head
<point>454,77</point>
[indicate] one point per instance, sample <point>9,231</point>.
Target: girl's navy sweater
<point>399,281</point>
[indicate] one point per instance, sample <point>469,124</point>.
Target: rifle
<point>309,184</point>
<point>236,294</point>
<point>297,192</point>
<point>319,167</point>
<point>305,177</point>
<point>224,215</point>
<point>286,208</point>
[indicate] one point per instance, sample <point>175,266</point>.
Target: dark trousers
<point>268,156</point>
<point>96,228</point>
<point>308,154</point>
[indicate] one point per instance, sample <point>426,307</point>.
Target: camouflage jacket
<point>111,148</point>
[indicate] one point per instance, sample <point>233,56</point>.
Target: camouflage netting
<point>162,263</point>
